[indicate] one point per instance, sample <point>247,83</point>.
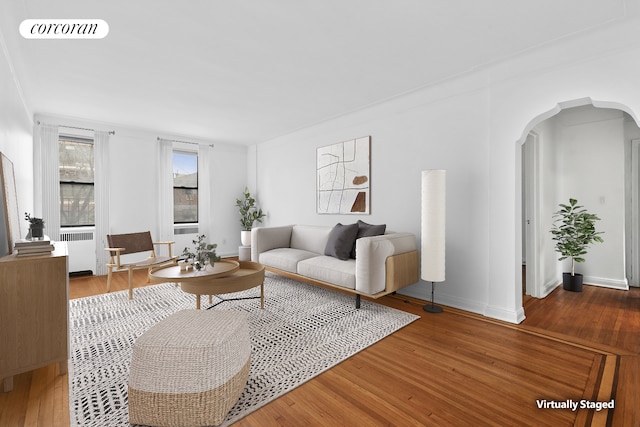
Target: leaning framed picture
<point>343,177</point>
<point>9,218</point>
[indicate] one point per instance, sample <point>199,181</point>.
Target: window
<point>185,187</point>
<point>77,203</point>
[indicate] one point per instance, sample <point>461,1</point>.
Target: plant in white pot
<point>574,230</point>
<point>249,213</point>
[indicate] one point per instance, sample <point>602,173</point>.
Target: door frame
<point>633,249</point>
<point>530,215</point>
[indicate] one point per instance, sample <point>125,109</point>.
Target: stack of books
<point>33,247</point>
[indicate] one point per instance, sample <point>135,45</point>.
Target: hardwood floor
<point>454,368</point>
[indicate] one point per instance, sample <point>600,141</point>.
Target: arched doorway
<point>581,149</point>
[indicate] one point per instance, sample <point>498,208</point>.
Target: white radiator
<point>82,250</point>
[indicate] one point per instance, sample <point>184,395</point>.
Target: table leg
<point>210,299</point>
<point>198,302</point>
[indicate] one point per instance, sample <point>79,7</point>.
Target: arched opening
<point>590,151</point>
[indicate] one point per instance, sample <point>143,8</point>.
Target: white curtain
<point>205,220</point>
<point>101,194</point>
<point>165,190</point>
<point>47,178</point>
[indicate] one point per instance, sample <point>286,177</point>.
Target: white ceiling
<point>246,71</point>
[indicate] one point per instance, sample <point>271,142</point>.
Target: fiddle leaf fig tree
<point>249,212</point>
<point>574,230</point>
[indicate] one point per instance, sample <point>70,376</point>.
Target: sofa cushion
<point>329,269</point>
<point>284,258</point>
<point>341,241</point>
<point>311,238</point>
<point>367,230</point>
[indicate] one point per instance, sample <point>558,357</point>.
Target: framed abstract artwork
<point>343,177</point>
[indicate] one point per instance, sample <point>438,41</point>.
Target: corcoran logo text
<point>64,29</point>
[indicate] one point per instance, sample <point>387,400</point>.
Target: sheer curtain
<point>205,220</point>
<point>47,178</point>
<point>165,190</point>
<point>101,197</point>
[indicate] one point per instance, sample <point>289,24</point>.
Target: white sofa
<point>382,264</point>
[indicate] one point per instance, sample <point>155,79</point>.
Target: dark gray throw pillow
<point>367,230</point>
<point>341,241</point>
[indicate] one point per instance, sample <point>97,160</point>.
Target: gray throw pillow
<point>341,241</point>
<point>367,230</point>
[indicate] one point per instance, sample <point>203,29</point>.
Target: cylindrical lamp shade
<point>433,225</point>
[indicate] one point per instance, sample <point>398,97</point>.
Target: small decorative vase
<point>245,237</point>
<point>36,232</point>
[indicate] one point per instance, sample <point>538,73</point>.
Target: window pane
<point>185,205</point>
<point>77,205</point>
<point>76,161</point>
<point>185,170</point>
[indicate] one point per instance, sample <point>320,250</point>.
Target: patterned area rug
<point>302,331</point>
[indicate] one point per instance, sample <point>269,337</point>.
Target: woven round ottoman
<point>189,369</point>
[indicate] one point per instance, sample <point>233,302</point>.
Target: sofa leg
<point>357,301</point>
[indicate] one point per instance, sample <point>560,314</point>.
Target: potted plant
<point>574,230</point>
<point>249,213</point>
<point>36,227</point>
<point>204,253</point>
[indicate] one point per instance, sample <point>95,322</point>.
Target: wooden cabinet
<point>34,307</point>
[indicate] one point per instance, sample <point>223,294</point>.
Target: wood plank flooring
<point>454,368</point>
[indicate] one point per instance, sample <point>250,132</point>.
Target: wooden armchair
<point>131,243</point>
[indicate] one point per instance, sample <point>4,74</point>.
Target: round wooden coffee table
<point>226,276</point>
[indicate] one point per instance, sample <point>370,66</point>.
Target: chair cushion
<point>330,269</point>
<point>285,258</point>
<point>341,241</point>
<point>149,262</point>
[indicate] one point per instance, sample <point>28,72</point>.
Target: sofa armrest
<point>371,256</point>
<point>266,238</point>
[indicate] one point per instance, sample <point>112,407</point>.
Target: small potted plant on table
<point>36,227</point>
<point>574,230</point>
<point>249,213</point>
<point>205,253</point>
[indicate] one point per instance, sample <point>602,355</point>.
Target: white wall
<point>590,154</point>
<point>16,133</point>
<point>473,127</point>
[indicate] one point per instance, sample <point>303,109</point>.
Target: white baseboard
<point>548,287</point>
<point>589,280</point>
<point>505,315</point>
<point>606,283</point>
<point>497,313</point>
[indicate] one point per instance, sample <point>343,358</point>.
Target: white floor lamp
<point>433,231</point>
